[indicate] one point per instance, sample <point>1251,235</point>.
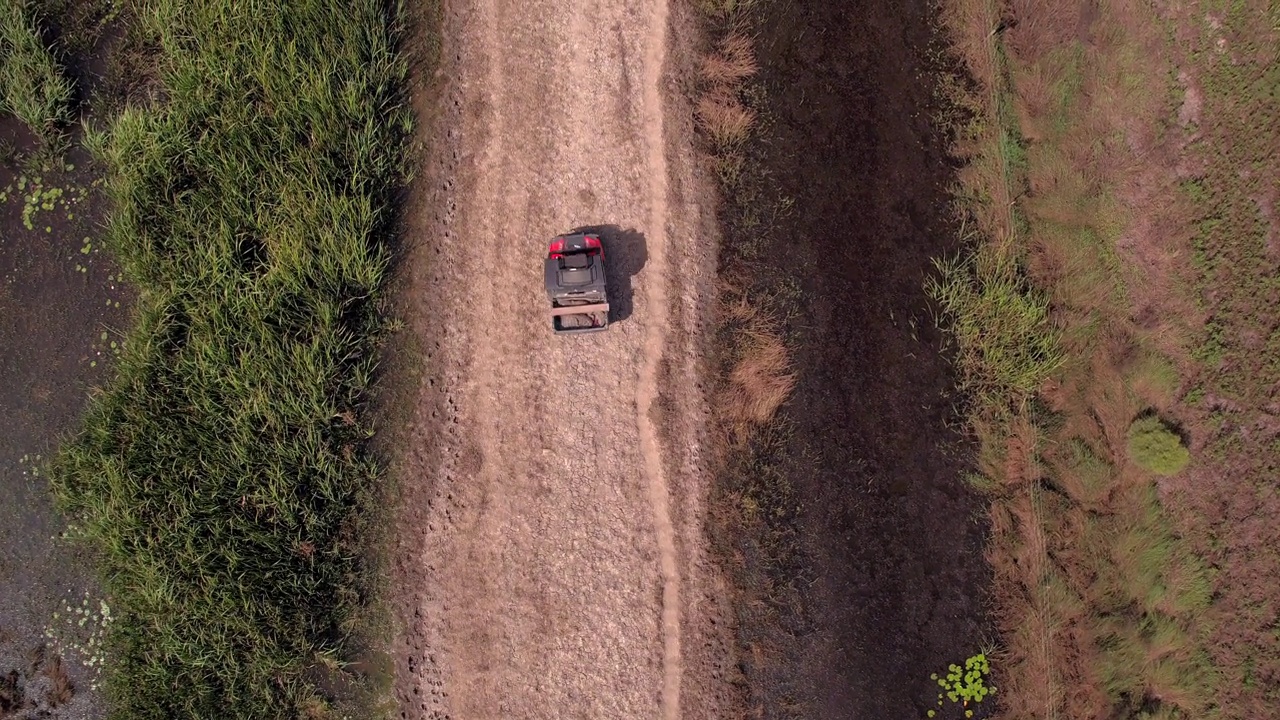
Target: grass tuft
<point>1006,342</point>
<point>727,8</point>
<point>734,62</point>
<point>760,380</point>
<point>725,119</point>
<point>60,689</point>
<point>222,472</point>
<point>33,86</point>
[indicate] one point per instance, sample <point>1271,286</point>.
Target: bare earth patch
<point>852,536</point>
<point>60,309</point>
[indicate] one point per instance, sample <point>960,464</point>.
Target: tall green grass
<point>1007,344</point>
<point>222,472</point>
<point>33,86</point>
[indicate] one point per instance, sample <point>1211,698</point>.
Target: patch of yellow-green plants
<point>1007,344</point>
<point>34,464</point>
<point>80,631</point>
<point>964,684</point>
<point>1154,446</point>
<point>40,196</point>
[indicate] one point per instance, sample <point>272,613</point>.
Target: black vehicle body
<point>576,284</point>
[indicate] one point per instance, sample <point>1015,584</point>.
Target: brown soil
<point>549,560</point>
<point>882,579</point>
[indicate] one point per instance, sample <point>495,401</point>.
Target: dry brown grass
<point>969,26</point>
<point>753,505</point>
<point>11,696</point>
<point>733,62</point>
<point>14,685</point>
<point>1043,26</point>
<point>760,381</point>
<point>61,689</point>
<point>759,376</point>
<point>725,119</point>
<point>719,109</point>
<point>1099,601</point>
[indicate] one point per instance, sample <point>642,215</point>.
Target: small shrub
<point>1155,447</point>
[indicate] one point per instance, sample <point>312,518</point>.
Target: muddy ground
<point>57,299</point>
<point>886,565</point>
<point>62,307</point>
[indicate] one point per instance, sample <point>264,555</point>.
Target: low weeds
<point>757,364</point>
<point>1230,187</point>
<point>755,503</point>
<point>1101,603</point>
<point>223,473</point>
<point>33,85</point>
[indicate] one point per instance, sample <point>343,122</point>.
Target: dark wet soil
<point>62,307</point>
<point>58,296</point>
<point>885,566</point>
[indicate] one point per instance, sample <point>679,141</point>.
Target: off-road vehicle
<point>576,285</point>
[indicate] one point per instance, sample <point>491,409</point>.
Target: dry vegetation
<point>755,363</point>
<point>1110,585</point>
<point>39,687</point>
<point>753,527</point>
<point>724,116</point>
<point>1225,197</point>
<point>721,112</point>
<point>758,377</point>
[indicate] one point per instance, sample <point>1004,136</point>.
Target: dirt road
<point>542,571</point>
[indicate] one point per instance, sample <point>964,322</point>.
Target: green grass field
<point>223,472</point>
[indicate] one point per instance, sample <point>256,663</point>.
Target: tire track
<point>655,341</point>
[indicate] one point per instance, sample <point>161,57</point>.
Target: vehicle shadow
<point>625,254</point>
